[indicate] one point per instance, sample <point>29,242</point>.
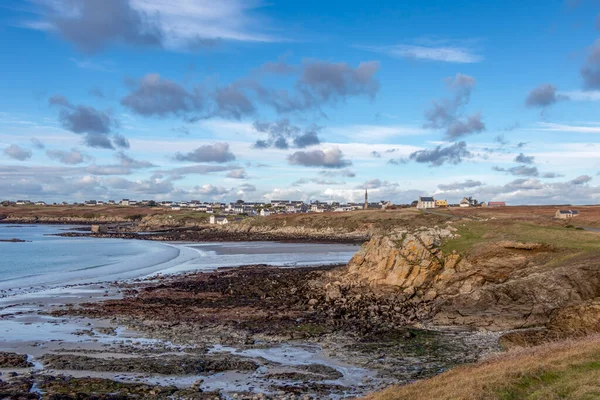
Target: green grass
<point>571,383</point>
<point>474,232</point>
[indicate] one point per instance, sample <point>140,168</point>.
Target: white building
<point>265,213</point>
<point>426,202</point>
<point>218,220</point>
<point>566,214</point>
<point>465,202</point>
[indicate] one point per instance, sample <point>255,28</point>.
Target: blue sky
<point>303,100</point>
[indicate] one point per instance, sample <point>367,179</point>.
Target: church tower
<point>366,199</point>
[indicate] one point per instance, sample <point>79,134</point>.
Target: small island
<point>14,240</point>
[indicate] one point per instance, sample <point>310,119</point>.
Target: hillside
<point>567,370</point>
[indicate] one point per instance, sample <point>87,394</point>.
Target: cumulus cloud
<point>446,113</point>
<point>317,181</point>
<point>376,184</point>
<point>521,170</point>
<point>458,128</point>
<point>523,159</point>
<point>551,175</point>
<point>210,190</point>
<point>120,141</point>
<point>468,184</point>
<point>238,174</point>
<point>543,96</point>
<point>160,97</point>
<point>232,102</point>
<point>581,180</point>
<point>590,72</point>
<point>96,125</point>
<point>283,135</point>
<point>72,157</point>
<point>321,83</point>
<point>330,158</point>
<point>191,25</point>
<point>345,173</point>
<point>330,81</point>
<point>131,162</point>
<point>91,24</point>
<point>83,119</point>
<point>246,187</point>
<point>218,152</point>
<point>318,83</point>
<point>198,169</point>
<point>452,154</point>
<point>124,167</point>
<point>397,161</point>
<point>17,152</point>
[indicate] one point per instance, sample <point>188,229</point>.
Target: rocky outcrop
<point>575,321</point>
<point>409,261</point>
<point>497,286</point>
<point>283,232</point>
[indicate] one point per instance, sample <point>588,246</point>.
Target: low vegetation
<point>566,370</point>
<point>473,233</point>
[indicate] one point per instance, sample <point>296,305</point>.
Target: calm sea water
<point>48,261</point>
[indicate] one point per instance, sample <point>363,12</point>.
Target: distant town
<point>242,207</point>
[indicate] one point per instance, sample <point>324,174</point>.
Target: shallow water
<point>51,261</point>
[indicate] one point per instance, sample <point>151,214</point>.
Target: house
<point>425,202</point>
<point>496,204</point>
<point>124,202</point>
<point>465,202</point>
<point>342,209</point>
<point>264,213</point>
<point>91,203</point>
<point>441,203</point>
<point>566,214</point>
<point>40,203</point>
<point>218,220</point>
<point>279,203</point>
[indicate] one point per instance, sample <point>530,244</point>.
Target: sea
<point>46,261</point>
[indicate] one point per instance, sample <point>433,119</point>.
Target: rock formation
<point>497,286</point>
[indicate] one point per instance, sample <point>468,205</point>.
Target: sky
<point>300,100</point>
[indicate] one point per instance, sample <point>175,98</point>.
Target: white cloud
<point>582,95</point>
<point>187,20</point>
<point>442,51</point>
<point>555,127</point>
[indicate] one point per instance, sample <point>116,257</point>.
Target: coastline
<point>259,332</point>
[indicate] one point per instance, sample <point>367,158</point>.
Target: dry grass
<point>492,231</point>
<point>80,211</point>
<point>564,370</point>
<point>380,221</point>
<point>589,215</point>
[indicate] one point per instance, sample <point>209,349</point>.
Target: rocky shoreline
<point>283,333</point>
<point>218,235</point>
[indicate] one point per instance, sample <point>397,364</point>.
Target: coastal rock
<point>13,240</point>
<point>497,285</point>
<point>14,360</point>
